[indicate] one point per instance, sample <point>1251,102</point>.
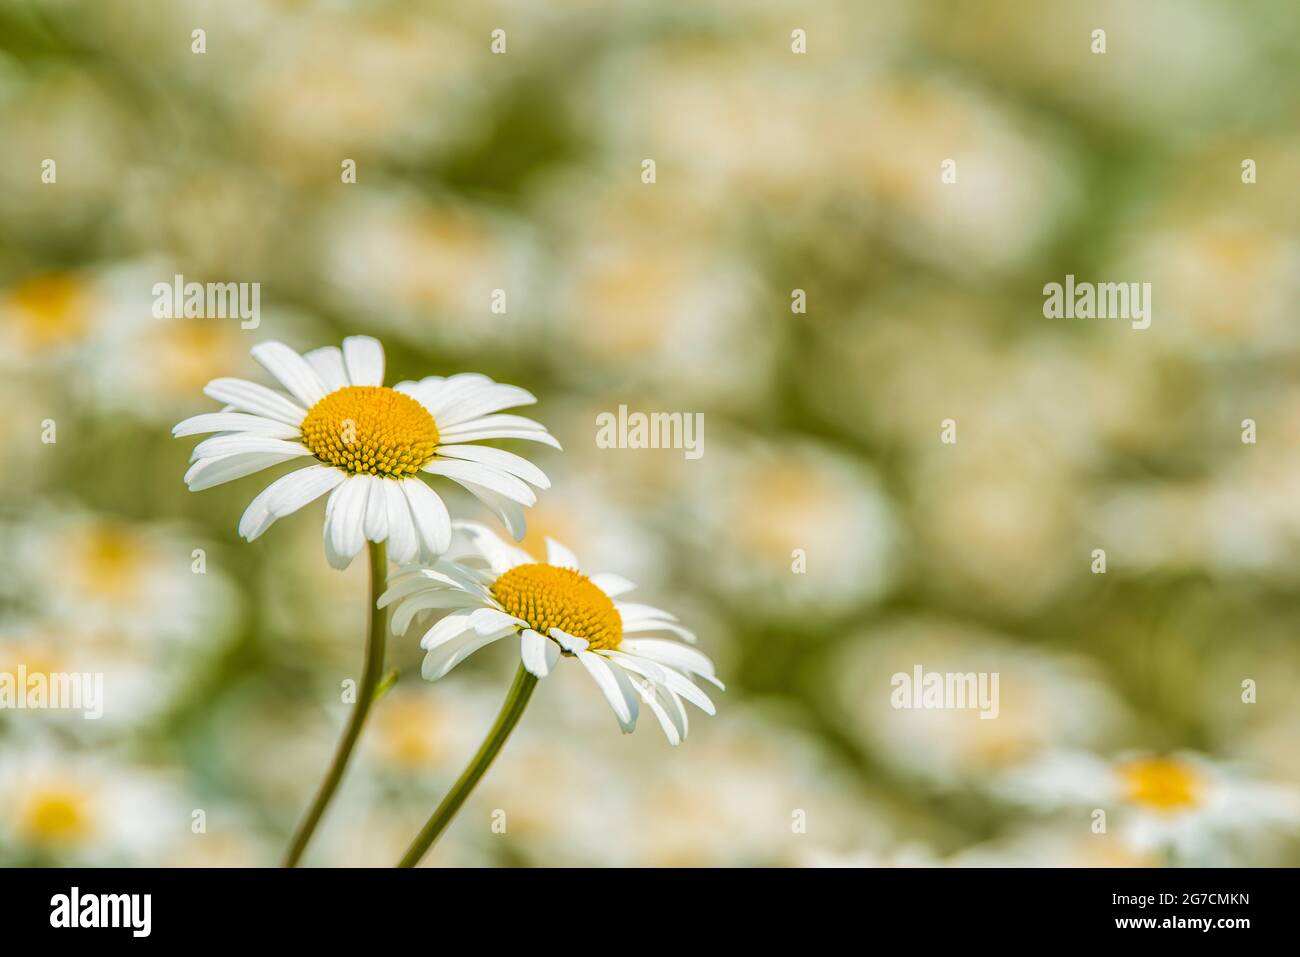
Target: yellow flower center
<point>186,353</point>
<point>371,429</point>
<point>414,732</point>
<point>112,560</point>
<point>1164,784</point>
<point>51,310</point>
<point>55,815</point>
<point>548,597</point>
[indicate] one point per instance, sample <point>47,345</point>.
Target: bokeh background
<point>776,171</point>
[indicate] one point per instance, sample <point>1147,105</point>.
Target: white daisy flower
<point>555,610</point>
<point>1045,702</point>
<point>1181,804</point>
<point>64,806</point>
<point>106,580</point>
<point>370,442</point>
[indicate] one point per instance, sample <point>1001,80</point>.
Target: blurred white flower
<point>644,291</point>
<point>998,520</point>
<point>419,267</point>
<point>789,526</point>
<point>329,82</point>
<point>71,116</point>
<point>417,734</point>
<point>47,316</point>
<point>1174,64</point>
<point>1013,184</point>
<point>81,808</point>
<point>97,328</point>
<point>135,683</point>
<point>1243,520</point>
<point>1226,281</point>
<point>229,836</point>
<point>906,855</point>
<point>585,512</point>
<point>106,579</point>
<point>1184,805</point>
<point>754,789</point>
<point>1063,843</point>
<point>1045,701</point>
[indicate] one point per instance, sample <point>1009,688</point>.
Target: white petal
<point>650,670</point>
<point>612,585</point>
<point>244,396</point>
<point>206,473</point>
<point>501,556</point>
<point>500,459</point>
<point>672,719</point>
<point>569,642</point>
<point>363,358</point>
<point>675,710</point>
<point>239,443</point>
<point>418,391</point>
<point>485,620</point>
<point>489,478</point>
<point>635,612</point>
<point>345,521</point>
<point>444,630</point>
<point>442,659</point>
<point>292,371</point>
<point>679,684</point>
<point>632,626</point>
<point>327,361</point>
<point>285,496</point>
<point>236,422</point>
<point>403,585</point>
<point>437,393</point>
<point>429,514</point>
<point>538,654</point>
<point>673,655</point>
<point>406,611</point>
<point>511,515</point>
<point>479,402</point>
<point>530,436</point>
<point>517,423</point>
<point>403,543</point>
<point>620,694</point>
<point>375,523</point>
<point>476,580</point>
<point>560,556</point>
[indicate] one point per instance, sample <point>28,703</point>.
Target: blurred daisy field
<point>987,582</point>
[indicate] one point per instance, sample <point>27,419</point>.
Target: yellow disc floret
<point>55,815</point>
<point>371,429</point>
<point>1164,784</point>
<point>549,597</point>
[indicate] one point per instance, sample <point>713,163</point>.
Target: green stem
<point>375,639</point>
<point>511,710</point>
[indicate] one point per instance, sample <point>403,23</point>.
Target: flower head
<point>1181,803</point>
<point>370,444</point>
<point>486,589</point>
<point>61,803</point>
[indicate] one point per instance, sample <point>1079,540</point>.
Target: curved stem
<point>375,639</point>
<point>511,710</point>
